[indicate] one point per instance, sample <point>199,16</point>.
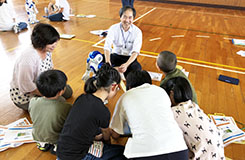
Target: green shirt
<point>178,73</point>
<point>48,117</point>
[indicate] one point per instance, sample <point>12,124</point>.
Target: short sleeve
<point>104,122</point>
<point>109,39</point>
<point>118,118</point>
<point>137,42</point>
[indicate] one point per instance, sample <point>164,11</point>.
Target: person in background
<point>58,11</point>
<point>8,18</point>
<point>126,39</point>
<point>128,3</point>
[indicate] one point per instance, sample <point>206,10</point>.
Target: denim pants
<point>110,152</point>
<point>22,25</point>
<point>56,17</point>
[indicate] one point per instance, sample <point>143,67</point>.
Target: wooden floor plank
<point>165,21</point>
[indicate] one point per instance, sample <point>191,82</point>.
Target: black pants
<point>118,60</point>
<point>181,155</point>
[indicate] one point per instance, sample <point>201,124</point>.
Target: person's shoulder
<point>188,105</point>
<point>35,101</point>
<point>29,53</point>
<point>136,28</point>
<point>115,26</point>
<point>180,73</point>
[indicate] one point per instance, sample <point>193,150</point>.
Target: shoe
<point>16,28</point>
<point>43,146</point>
<point>53,149</point>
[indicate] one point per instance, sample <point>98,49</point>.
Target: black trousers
<point>118,60</point>
<point>128,3</point>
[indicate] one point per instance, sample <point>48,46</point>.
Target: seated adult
<point>126,39</point>
<point>201,135</point>
<point>146,109</point>
<point>35,59</point>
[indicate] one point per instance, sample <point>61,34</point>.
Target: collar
<point>130,28</point>
<point>172,71</point>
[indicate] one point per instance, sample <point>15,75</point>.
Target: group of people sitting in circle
<point>165,122</point>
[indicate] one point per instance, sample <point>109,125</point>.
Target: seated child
<point>89,117</point>
<point>146,109</point>
<point>8,18</point>
<point>58,10</point>
<point>48,113</point>
<point>201,135</point>
<point>166,62</point>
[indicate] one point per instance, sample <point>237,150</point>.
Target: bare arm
<point>114,134</point>
<point>106,134</point>
<point>107,56</point>
<point>124,66</point>
<point>61,10</point>
<point>36,92</point>
<point>98,137</point>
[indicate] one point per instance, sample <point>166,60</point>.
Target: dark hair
<point>125,8</point>
<point>50,82</point>
<point>136,78</point>
<point>44,34</point>
<point>105,76</point>
<point>166,61</point>
<point>181,88</point>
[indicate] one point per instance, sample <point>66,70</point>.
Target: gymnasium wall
<point>235,3</point>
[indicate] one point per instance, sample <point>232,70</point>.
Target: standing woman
<point>89,119</point>
<point>34,60</point>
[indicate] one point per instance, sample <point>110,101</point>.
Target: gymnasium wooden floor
<point>204,51</point>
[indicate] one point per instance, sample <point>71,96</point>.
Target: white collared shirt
<point>124,43</point>
<point>64,4</point>
<point>7,14</point>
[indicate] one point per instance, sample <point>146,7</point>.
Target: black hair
<point>125,8</point>
<point>181,89</point>
<point>136,78</point>
<point>44,34</point>
<point>105,77</point>
<point>166,61</point>
<point>50,82</point>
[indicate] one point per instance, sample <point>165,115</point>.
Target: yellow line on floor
<point>189,59</point>
<point>11,49</point>
<point>81,40</point>
<point>153,53</point>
